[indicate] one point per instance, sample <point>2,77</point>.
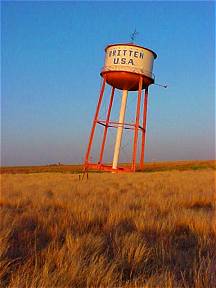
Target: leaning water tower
<point>127,67</point>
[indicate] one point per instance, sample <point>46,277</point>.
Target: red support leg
<point>137,125</point>
<point>144,129</point>
<point>106,127</point>
<point>94,123</point>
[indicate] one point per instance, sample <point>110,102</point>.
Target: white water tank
<point>125,63</point>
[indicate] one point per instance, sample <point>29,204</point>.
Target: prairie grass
<point>149,167</point>
<point>128,230</point>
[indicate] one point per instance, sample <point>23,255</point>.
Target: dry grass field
<point>128,230</point>
<point>149,167</point>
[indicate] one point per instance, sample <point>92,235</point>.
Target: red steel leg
<point>144,129</point>
<point>106,127</point>
<point>137,125</point>
<point>94,122</point>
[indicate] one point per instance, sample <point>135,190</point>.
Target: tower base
<point>107,168</point>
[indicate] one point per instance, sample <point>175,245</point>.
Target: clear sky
<point>52,53</point>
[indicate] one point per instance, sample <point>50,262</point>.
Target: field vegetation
<point>149,167</point>
<point>128,230</point>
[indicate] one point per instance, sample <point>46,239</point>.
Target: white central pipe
<point>120,129</point>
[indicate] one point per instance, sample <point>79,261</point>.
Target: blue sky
<point>52,53</point>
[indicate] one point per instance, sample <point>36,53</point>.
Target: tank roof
<point>131,44</point>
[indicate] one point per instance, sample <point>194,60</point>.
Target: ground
<point>155,229</point>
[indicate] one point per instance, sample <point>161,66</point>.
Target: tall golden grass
<point>127,230</point>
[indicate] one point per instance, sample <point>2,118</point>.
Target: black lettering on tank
<point>141,55</point>
<point>130,62</point>
<point>135,54</point>
<point>123,60</point>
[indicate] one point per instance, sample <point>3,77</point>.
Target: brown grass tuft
<point>127,230</point>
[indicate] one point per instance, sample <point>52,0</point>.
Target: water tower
<point>127,67</point>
